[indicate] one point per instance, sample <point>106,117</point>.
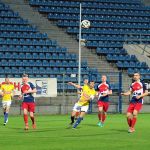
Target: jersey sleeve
<point>144,86</point>
<point>32,86</point>
<point>110,88</point>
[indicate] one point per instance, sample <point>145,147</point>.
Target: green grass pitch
<point>52,134</point>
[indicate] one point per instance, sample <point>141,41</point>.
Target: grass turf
<point>52,134</point>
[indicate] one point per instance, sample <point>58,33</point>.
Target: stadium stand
<point>110,20</point>
<point>23,49</point>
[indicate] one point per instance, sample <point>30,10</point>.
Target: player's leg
<point>130,114</point>
<point>80,118</point>
<point>100,115</point>
<point>32,110</point>
<point>6,114</point>
<point>25,114</point>
<point>84,109</point>
<point>105,109</point>
<point>100,112</point>
<point>33,120</point>
<point>76,109</point>
<point>137,108</point>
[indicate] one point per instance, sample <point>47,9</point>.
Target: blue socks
<point>5,117</point>
<point>78,122</point>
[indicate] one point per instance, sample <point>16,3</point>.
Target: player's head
<point>7,80</point>
<point>104,78</point>
<point>86,81</point>
<point>91,84</point>
<point>136,76</point>
<point>25,78</point>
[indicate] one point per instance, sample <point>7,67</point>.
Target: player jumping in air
<point>28,104</point>
<point>104,90</point>
<point>7,91</point>
<point>138,90</point>
<point>82,105</point>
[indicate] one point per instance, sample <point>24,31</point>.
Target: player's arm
<point>126,93</point>
<point>142,95</point>
<point>31,91</point>
<point>75,85</point>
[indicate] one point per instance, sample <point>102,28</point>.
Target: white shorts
<point>6,104</point>
<point>79,108</point>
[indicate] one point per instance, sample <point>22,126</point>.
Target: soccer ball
<point>85,24</point>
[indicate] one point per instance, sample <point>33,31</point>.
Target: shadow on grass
<point>119,130</point>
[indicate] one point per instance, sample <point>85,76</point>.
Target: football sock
<point>77,122</point>
<point>103,117</point>
<point>99,116</point>
<point>5,117</point>
<point>26,119</point>
<point>32,119</point>
<point>72,119</point>
<point>133,122</point>
<point>129,120</point>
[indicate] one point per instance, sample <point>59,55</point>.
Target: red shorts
<point>134,106</point>
<point>105,105</point>
<point>29,106</point>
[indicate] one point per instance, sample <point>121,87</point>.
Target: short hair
<point>137,73</point>
<point>25,75</point>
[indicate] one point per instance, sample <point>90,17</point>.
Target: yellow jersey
<point>86,94</point>
<point>7,90</point>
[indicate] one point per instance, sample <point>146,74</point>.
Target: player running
<point>104,90</point>
<point>7,92</point>
<point>82,105</point>
<point>28,104</point>
<point>138,90</point>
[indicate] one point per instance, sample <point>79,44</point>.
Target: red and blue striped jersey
<point>103,88</point>
<point>29,96</point>
<point>137,88</point>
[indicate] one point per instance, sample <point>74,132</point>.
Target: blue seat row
<point>9,13</point>
<point>131,64</point>
<point>94,4</point>
<point>104,44</point>
<point>31,48</point>
<point>113,57</point>
<point>69,10</point>
<point>4,7</point>
<point>105,51</point>
<point>13,21</point>
<point>75,30</point>
<point>45,63</point>
<point>48,56</point>
<point>96,24</point>
<point>142,71</point>
<point>20,28</point>
<point>9,41</point>
<point>41,70</point>
<point>56,16</point>
<point>23,35</point>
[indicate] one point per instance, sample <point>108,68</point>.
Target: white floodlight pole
<point>79,65</point>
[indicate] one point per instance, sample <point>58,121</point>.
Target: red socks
<point>26,119</point>
<point>32,118</point>
<point>101,117</point>
<point>131,122</point>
